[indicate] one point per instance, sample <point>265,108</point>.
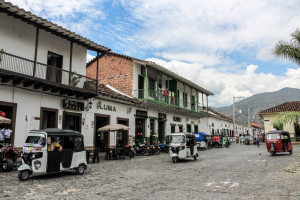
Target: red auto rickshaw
<point>278,141</point>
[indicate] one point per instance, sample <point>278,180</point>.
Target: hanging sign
<point>73,105</point>
<point>141,113</point>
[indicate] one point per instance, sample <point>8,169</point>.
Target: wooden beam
<point>56,89</point>
<point>62,92</point>
<point>28,83</point>
<point>17,81</point>
<point>38,86</point>
<point>47,87</point>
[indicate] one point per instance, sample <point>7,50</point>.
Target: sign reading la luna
<point>107,107</point>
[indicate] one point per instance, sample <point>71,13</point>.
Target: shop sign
<point>162,117</point>
<point>176,119</point>
<point>73,105</point>
<point>141,113</point>
<point>107,107</point>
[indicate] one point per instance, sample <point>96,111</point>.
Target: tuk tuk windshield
<point>274,136</point>
<point>177,139</point>
<point>34,139</point>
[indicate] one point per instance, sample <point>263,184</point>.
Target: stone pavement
<point>238,172</point>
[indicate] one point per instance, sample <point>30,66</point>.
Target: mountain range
<point>259,102</point>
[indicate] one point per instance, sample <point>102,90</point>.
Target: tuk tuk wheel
<point>291,151</point>
<point>80,169</point>
<point>174,159</point>
<point>8,165</point>
<point>24,175</point>
<point>273,153</point>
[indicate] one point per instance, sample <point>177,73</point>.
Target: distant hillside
<point>259,102</point>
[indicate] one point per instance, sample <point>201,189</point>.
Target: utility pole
<point>233,115</point>
<point>249,120</point>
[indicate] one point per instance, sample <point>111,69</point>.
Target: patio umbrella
<point>114,127</point>
<point>4,120</point>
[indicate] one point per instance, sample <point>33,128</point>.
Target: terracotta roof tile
<point>104,90</point>
<point>285,107</point>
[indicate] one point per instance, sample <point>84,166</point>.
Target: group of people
<point>169,96</point>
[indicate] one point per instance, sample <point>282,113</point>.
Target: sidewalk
<point>296,143</point>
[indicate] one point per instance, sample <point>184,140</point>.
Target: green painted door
<point>189,128</point>
<point>172,128</point>
<point>196,128</point>
<point>161,131</point>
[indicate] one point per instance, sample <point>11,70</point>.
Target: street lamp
<point>235,100</point>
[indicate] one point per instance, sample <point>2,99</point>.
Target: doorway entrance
<point>189,128</point>
<point>101,138</point>
<point>195,128</point>
<point>173,128</point>
<point>49,118</point>
<point>72,121</point>
<point>9,111</point>
<point>152,130</point>
<point>123,136</point>
<point>140,130</point>
<point>161,131</point>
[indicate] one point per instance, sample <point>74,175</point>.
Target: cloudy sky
<point>223,46</point>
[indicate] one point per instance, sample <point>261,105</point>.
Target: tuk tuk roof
<point>277,131</point>
<point>58,132</point>
<point>184,133</point>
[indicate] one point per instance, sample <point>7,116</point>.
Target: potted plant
<point>75,79</point>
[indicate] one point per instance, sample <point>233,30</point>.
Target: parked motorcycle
<point>131,151</point>
<point>154,149</point>
<point>141,149</point>
<point>8,158</point>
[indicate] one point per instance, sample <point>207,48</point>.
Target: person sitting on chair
<point>53,144</point>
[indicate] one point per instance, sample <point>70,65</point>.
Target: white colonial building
<point>43,82</point>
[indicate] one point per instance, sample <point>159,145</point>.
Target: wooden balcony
<point>169,103</point>
<point>27,73</point>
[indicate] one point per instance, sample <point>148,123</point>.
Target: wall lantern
<point>89,105</point>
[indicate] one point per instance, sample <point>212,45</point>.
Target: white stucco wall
<point>29,105</point>
<point>19,38</point>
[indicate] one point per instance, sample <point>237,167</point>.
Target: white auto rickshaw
<point>182,146</point>
<point>40,157</point>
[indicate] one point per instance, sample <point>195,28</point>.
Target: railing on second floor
<point>168,99</point>
<point>45,72</point>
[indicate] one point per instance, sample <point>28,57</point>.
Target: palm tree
<point>289,51</point>
<point>288,117</point>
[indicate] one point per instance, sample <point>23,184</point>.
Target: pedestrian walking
<point>257,141</point>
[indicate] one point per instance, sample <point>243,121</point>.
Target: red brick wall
<point>115,71</point>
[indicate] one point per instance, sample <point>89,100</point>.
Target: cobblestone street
<point>238,172</point>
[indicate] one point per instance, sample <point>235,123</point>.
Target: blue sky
<point>223,46</point>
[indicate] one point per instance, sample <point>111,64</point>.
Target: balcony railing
<point>45,73</point>
<point>159,97</point>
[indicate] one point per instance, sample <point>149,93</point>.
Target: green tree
<point>289,50</point>
<point>287,117</point>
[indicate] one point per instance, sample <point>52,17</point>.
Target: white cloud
<point>215,28</point>
<point>89,58</point>
<point>227,85</point>
<point>77,15</point>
